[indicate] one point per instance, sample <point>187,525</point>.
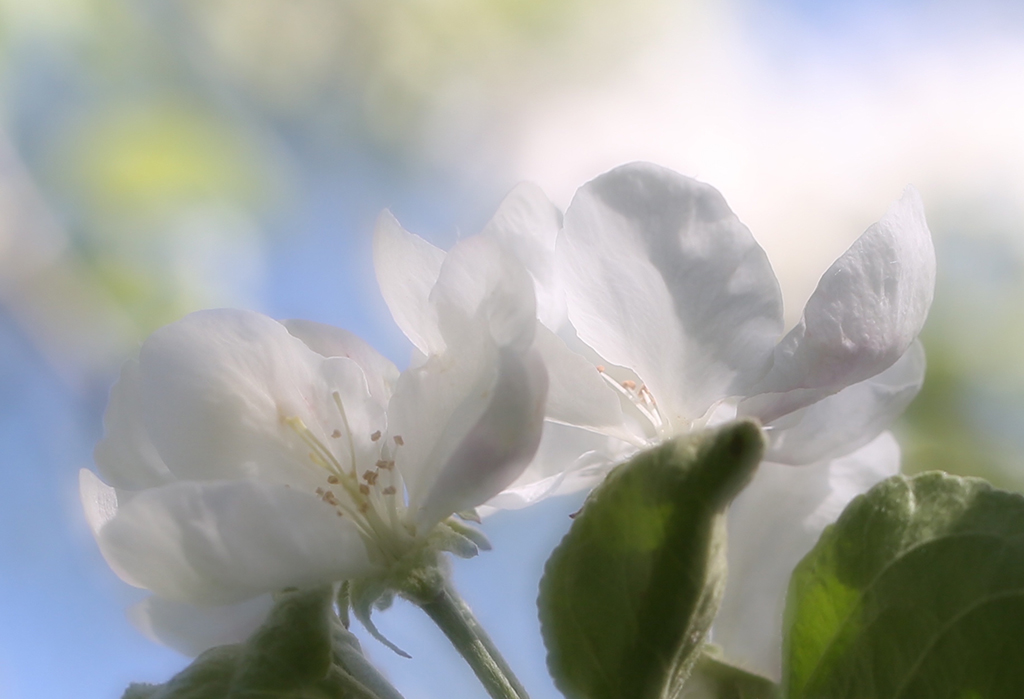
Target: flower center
<point>642,400</point>
<point>372,498</point>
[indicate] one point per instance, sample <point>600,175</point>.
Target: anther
<point>336,434</point>
<point>375,436</point>
<point>370,477</point>
<point>600,368</point>
<point>319,491</point>
<point>398,440</point>
<point>629,385</point>
<point>364,489</point>
<point>333,480</point>
<point>390,490</point>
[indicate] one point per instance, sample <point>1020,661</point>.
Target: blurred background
<point>161,156</point>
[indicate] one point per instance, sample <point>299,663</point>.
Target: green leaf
<point>629,594</point>
<point>712,678</point>
<point>916,591</point>
<point>302,651</point>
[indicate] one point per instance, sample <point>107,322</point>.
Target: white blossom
<point>243,455</point>
<point>659,314</point>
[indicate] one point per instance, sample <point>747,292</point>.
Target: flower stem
<point>454,617</point>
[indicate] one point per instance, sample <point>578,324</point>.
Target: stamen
<point>398,440</point>
<point>375,436</point>
<point>365,490</point>
<point>348,430</point>
<point>371,477</point>
<point>333,480</point>
<point>336,434</point>
<point>390,490</point>
<point>629,385</point>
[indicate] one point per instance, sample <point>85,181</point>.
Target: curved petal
<point>773,523</point>
<point>662,278</point>
<point>227,541</point>
<point>501,443</point>
<point>190,630</point>
<point>407,268</point>
<point>126,457</point>
<point>434,406</point>
<point>224,392</point>
<point>481,286</point>
<point>526,225</point>
<point>569,459</point>
<point>868,307</point>
<point>330,341</point>
<point>848,420</point>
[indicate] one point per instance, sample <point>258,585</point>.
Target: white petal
<point>99,500</point>
<point>501,443</point>
<point>848,420</point>
<point>868,307</point>
<point>190,630</point>
<point>569,459</point>
<point>126,457</point>
<point>330,341</point>
<point>577,394</point>
<point>773,523</point>
<point>407,268</point>
<point>227,541</point>
<point>435,405</point>
<point>662,278</point>
<point>218,389</point>
<point>481,286</point>
<point>526,224</point>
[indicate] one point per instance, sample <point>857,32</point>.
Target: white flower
<point>243,455</point>
<point>675,323</point>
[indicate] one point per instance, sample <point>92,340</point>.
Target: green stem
<point>457,622</point>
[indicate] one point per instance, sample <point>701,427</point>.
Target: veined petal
<point>661,277</point>
<point>482,286</point>
<point>868,307</point>
<point>330,341</point>
<point>773,523</point>
<point>847,420</point>
<point>500,444</point>
<point>222,391</point>
<point>190,629</point>
<point>126,457</point>
<point>526,225</point>
<point>407,268</point>
<point>226,541</point>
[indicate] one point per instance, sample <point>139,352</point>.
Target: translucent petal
<point>224,542</point>
<point>662,278</point>
<point>526,225</point>
<point>867,309</point>
<point>847,420</point>
<point>483,288</point>
<point>771,525</point>
<point>407,267</point>
<point>330,341</point>
<point>190,629</point>
<point>126,457</point>
<point>500,444</point>
<point>224,392</point>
